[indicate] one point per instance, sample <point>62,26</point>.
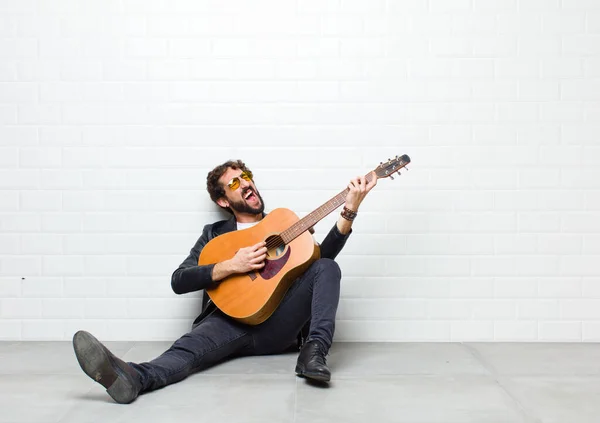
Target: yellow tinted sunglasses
<point>235,182</point>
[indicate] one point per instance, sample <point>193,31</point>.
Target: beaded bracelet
<point>348,214</point>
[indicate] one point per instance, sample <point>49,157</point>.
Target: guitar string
<point>294,229</point>
<point>278,241</point>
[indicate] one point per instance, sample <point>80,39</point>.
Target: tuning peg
<point>391,177</point>
<point>406,168</point>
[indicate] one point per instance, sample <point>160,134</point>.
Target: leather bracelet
<point>348,214</point>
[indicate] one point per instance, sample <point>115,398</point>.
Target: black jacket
<point>190,277</point>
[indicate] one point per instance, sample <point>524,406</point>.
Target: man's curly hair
<point>214,187</point>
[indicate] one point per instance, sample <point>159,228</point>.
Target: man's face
<point>246,198</point>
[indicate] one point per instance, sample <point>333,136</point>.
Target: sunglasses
<point>235,182</point>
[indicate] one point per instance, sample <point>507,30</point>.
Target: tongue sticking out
<point>251,197</point>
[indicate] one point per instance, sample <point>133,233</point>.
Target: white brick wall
<point>113,111</point>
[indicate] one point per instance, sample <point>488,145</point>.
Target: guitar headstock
<point>387,169</point>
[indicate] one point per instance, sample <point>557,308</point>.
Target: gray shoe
<point>122,382</point>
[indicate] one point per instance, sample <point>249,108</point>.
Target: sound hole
<point>275,246</point>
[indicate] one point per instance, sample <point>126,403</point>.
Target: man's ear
<point>223,202</point>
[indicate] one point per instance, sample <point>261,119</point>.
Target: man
<point>313,298</point>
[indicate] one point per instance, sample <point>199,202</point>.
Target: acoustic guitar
<point>252,297</point>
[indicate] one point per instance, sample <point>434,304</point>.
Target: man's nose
<point>244,183</point>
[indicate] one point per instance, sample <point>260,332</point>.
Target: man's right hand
<point>249,258</point>
<point>245,260</point>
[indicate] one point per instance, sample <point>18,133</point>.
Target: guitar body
<point>252,297</point>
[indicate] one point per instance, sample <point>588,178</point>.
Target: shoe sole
<point>99,366</point>
<point>314,376</point>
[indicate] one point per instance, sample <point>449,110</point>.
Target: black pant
<point>314,296</point>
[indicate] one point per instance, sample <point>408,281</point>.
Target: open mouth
<point>250,196</point>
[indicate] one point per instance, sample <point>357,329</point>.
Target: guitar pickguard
<point>273,266</point>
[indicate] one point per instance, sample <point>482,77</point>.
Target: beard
<point>243,207</point>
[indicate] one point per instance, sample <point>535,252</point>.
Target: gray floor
<point>416,383</point>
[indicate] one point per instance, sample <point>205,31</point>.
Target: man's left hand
<point>359,188</point>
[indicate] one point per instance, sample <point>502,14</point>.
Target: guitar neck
<point>317,215</point>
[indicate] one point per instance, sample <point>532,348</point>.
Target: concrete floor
<point>412,383</point>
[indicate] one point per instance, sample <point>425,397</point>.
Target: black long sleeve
<point>333,243</point>
<point>189,276</point>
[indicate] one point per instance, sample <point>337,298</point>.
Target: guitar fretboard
<point>315,216</point>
